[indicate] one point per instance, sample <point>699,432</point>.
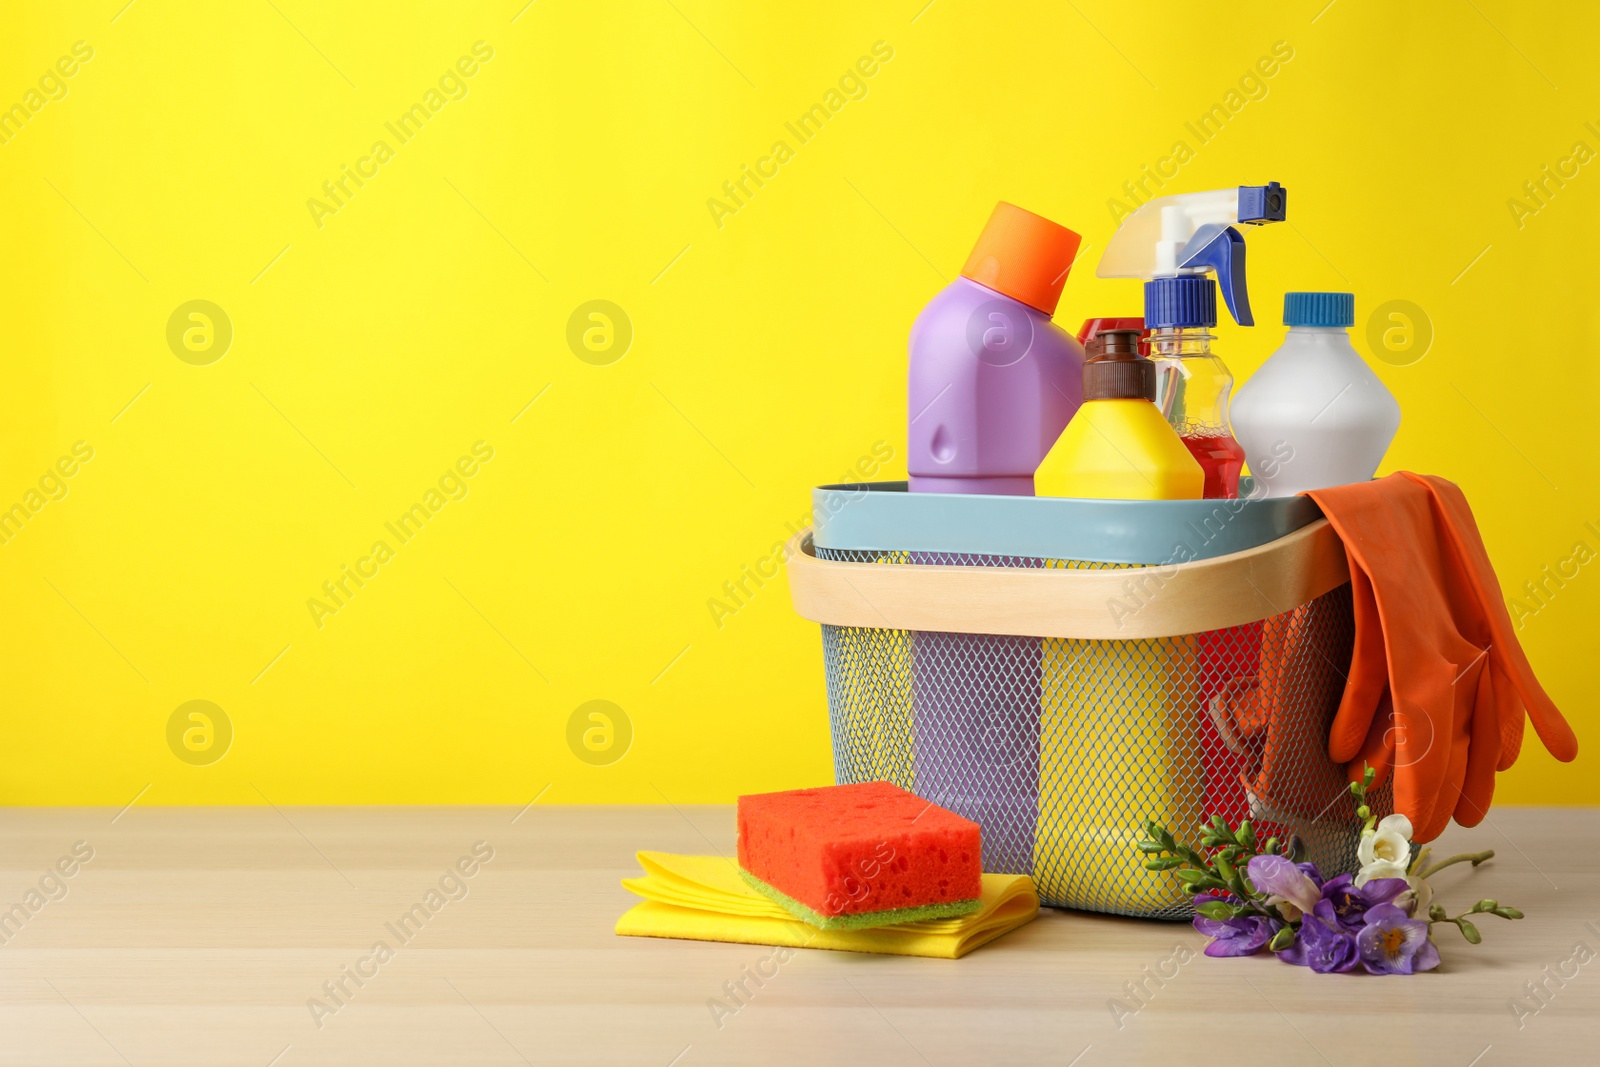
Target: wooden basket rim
<point>1128,603</point>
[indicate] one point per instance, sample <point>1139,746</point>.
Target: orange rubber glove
<point>1277,719</point>
<point>1438,684</point>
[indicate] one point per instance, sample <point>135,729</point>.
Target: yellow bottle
<point>1117,741</point>
<point>1119,446</point>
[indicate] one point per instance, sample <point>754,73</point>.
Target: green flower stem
<point>1474,858</point>
<point>1220,866</point>
<point>1436,915</point>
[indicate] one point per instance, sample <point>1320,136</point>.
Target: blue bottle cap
<point>1319,309</point>
<point>1185,301</point>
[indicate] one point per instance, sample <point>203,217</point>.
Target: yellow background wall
<point>374,345</point>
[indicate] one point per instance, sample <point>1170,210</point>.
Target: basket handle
<point>1128,603</point>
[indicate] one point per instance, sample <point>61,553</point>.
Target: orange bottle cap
<point>1023,255</point>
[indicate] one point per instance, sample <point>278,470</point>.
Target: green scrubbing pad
<point>860,920</point>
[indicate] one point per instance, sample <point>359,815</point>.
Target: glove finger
<point>1508,709</point>
<point>1425,721</point>
<point>1377,748</point>
<point>1415,782</point>
<point>1369,674</point>
<point>1526,701</point>
<point>1477,790</point>
<point>1463,700</point>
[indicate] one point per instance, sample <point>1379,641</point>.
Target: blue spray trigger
<point>1221,249</point>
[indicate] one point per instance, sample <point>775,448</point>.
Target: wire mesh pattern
<point>1062,748</point>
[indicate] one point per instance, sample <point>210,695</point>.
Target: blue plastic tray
<point>883,516</point>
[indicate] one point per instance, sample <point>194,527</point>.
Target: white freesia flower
<point>1379,869</point>
<point>1389,842</point>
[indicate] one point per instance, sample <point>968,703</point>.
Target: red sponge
<point>862,855</point>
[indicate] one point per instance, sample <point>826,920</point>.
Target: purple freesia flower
<point>1309,869</point>
<point>1243,935</point>
<point>1394,943</point>
<point>1277,876</point>
<point>1350,903</point>
<point>1323,944</point>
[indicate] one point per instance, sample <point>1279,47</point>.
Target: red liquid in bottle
<point>1222,458</point>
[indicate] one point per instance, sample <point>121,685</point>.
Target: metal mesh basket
<point>1061,747</point>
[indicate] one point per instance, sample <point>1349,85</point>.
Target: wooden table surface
<point>202,935</point>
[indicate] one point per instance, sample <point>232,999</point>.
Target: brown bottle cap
<point>1115,370</point>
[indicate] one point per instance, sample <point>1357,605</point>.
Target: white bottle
<point>1314,415</point>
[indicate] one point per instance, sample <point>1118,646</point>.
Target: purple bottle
<point>993,380</point>
<point>993,383</point>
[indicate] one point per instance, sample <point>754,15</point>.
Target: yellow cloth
<point>702,898</point>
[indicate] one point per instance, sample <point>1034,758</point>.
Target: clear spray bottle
<point>1176,243</point>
